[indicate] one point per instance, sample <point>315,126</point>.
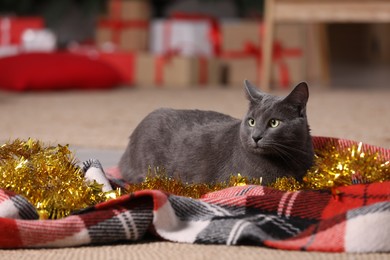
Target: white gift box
<point>38,40</point>
<point>32,41</point>
<point>187,38</point>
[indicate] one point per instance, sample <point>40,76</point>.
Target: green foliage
<point>38,7</point>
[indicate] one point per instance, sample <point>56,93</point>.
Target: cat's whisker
<point>286,151</point>
<point>291,148</point>
<point>283,154</point>
<point>290,156</point>
<point>291,160</point>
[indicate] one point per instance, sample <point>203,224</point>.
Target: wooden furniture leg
<point>266,58</point>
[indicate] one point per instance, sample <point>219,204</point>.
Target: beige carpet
<point>104,120</point>
<point>175,251</point>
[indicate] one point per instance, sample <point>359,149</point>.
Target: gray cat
<point>273,140</point>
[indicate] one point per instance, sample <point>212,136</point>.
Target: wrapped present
<point>186,34</point>
<point>235,34</point>
<point>126,35</point>
<point>245,65</point>
<point>242,53</point>
<point>129,10</point>
<point>41,40</point>
<point>12,28</point>
<point>175,71</point>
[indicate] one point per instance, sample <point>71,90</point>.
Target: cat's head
<point>276,125</point>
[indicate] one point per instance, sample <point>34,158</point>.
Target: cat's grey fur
<point>205,146</point>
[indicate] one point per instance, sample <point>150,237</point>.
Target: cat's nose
<point>257,138</point>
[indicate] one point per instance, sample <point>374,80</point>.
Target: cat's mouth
<point>257,148</point>
<point>262,147</point>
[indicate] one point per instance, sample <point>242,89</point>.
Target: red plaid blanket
<point>355,219</point>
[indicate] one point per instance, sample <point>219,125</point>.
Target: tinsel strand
<point>335,167</point>
<point>48,176</point>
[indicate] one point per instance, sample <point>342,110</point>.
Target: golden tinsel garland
<point>335,167</point>
<point>157,179</point>
<point>48,177</point>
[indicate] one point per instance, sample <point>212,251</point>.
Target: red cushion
<point>46,71</point>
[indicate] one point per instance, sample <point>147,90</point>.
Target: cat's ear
<point>252,92</point>
<point>299,96</point>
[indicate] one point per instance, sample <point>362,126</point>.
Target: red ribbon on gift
<point>118,25</point>
<point>249,50</point>
<point>278,56</point>
<point>116,8</point>
<point>159,65</point>
<point>203,70</point>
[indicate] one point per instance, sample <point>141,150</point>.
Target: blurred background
<point>225,29</point>
<point>136,55</point>
<point>130,35</point>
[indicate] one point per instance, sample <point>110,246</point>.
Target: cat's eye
<point>274,123</point>
<point>251,122</point>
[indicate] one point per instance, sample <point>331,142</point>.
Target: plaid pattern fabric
<point>353,219</point>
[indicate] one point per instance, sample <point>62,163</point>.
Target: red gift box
<point>12,28</point>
